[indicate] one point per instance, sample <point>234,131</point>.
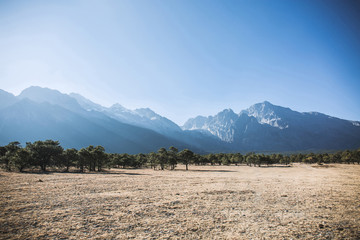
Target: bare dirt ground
<point>207,202</point>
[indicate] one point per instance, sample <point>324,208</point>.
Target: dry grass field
<point>207,202</point>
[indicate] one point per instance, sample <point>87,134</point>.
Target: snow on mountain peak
<point>220,125</point>
<point>267,113</point>
<point>355,123</point>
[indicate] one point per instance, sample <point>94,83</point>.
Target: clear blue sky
<point>187,58</point>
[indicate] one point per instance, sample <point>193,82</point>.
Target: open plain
<point>206,202</point>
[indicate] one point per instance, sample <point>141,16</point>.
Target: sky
<point>187,58</point>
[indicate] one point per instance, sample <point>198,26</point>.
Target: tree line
<point>50,154</point>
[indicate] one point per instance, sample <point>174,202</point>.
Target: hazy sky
<point>187,58</point>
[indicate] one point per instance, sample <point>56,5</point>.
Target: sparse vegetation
<point>221,196</point>
<point>306,201</point>
<point>49,153</point>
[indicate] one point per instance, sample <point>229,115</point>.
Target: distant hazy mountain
<point>6,99</point>
<point>86,103</point>
<point>42,95</point>
<point>266,127</point>
<point>42,113</point>
<point>39,114</point>
<point>143,117</point>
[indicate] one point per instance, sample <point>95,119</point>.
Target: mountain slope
<point>86,103</point>
<point>42,95</point>
<point>42,113</point>
<point>30,121</point>
<point>142,117</point>
<point>220,125</point>
<point>6,99</point>
<point>266,127</point>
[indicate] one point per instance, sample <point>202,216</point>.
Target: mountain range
<point>42,113</point>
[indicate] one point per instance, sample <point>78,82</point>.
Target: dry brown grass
<point>207,202</point>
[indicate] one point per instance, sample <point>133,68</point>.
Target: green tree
<point>140,160</point>
<point>100,157</point>
<point>10,153</point>
<point>219,158</point>
<point>225,160</point>
<point>251,158</point>
<point>43,152</point>
<point>126,160</point>
<point>236,158</point>
<point>212,158</point>
<point>346,157</point>
<point>162,158</point>
<point>115,160</point>
<point>326,158</point>
<point>173,157</point>
<point>22,159</point>
<point>84,158</point>
<point>186,157</point>
<point>69,158</point>
<point>152,159</point>
<point>336,157</point>
<point>2,151</point>
<point>202,160</point>
<point>357,156</point>
<point>91,160</point>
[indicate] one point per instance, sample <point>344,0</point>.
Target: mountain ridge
<point>269,127</point>
<point>261,127</point>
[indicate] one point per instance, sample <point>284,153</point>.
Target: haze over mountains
<point>41,113</point>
